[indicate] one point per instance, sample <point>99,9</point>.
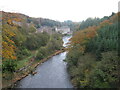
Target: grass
<point>10,79</point>
<point>25,61</point>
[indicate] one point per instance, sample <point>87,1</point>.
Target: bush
<point>9,66</point>
<point>51,45</point>
<point>73,55</point>
<point>42,53</point>
<point>37,40</point>
<point>22,53</point>
<point>105,74</point>
<point>89,73</point>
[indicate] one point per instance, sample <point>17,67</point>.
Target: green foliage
<point>22,53</point>
<point>105,74</point>
<point>37,40</point>
<point>9,66</point>
<point>80,71</point>
<point>45,22</point>
<point>98,66</point>
<point>32,29</point>
<point>90,22</point>
<point>106,40</point>
<point>72,25</point>
<point>73,57</point>
<point>54,43</point>
<point>89,73</point>
<point>42,53</point>
<point>31,43</point>
<point>48,22</point>
<point>20,38</point>
<point>43,38</point>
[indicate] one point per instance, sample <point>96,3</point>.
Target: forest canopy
<point>93,54</point>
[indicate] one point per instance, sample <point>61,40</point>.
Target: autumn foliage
<point>81,37</point>
<point>93,55</point>
<point>8,44</point>
<point>20,39</point>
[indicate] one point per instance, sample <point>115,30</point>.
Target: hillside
<point>92,58</point>
<point>23,45</point>
<point>93,54</point>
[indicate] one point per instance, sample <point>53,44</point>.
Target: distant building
<point>63,30</point>
<point>45,29</point>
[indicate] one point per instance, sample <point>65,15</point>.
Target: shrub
<point>105,74</point>
<point>42,53</point>
<point>9,66</point>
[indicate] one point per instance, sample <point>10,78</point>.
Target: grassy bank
<point>12,78</point>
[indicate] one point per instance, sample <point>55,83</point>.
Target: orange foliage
<point>8,46</point>
<point>81,37</point>
<point>8,51</point>
<point>105,22</point>
<point>8,32</point>
<point>10,17</point>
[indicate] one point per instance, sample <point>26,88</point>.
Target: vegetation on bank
<point>93,54</point>
<point>92,57</point>
<point>22,45</point>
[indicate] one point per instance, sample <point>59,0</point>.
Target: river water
<point>51,74</point>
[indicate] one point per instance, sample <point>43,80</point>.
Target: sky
<point>60,10</point>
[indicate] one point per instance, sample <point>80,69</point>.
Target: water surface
<point>51,74</point>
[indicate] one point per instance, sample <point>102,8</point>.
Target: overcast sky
<point>75,10</point>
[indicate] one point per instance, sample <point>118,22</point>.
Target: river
<point>51,74</point>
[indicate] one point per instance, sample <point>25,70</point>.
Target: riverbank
<point>17,76</point>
